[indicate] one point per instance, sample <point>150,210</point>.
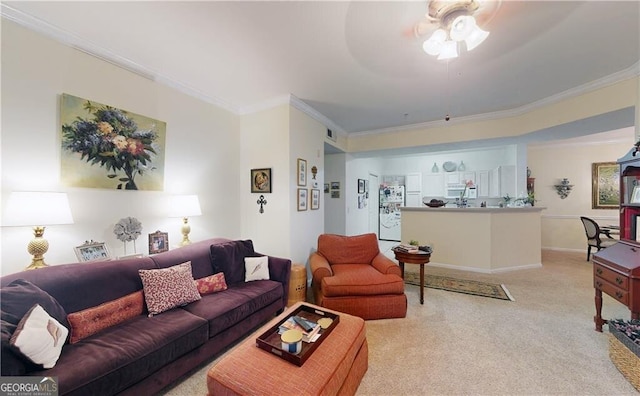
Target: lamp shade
<point>37,209</point>
<point>184,206</point>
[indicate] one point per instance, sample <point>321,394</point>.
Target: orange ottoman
<point>336,367</point>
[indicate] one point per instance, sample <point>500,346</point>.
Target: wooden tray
<point>270,339</point>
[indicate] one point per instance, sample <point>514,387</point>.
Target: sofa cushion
<point>39,337</point>
<point>360,280</point>
<point>340,249</point>
<point>228,257</point>
<point>19,296</point>
<point>168,288</point>
<point>125,354</point>
<point>92,320</point>
<point>235,304</point>
<point>256,268</point>
<point>211,284</point>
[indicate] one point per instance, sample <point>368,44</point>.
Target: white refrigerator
<point>392,198</point>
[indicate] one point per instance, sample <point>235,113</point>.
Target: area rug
<point>465,286</point>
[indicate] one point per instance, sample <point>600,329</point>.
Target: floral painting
<point>106,147</point>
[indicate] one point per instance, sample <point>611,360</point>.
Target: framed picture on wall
<point>302,172</point>
<point>261,180</point>
<point>326,188</point>
<point>605,191</point>
<point>315,199</point>
<point>360,186</point>
<point>335,185</point>
<point>302,199</point>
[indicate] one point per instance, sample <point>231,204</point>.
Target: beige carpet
<point>544,343</point>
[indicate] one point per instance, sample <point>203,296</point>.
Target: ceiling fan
<point>449,22</point>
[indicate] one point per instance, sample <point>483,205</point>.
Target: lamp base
<point>37,247</point>
<point>186,229</point>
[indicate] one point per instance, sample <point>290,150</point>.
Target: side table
<point>419,257</point>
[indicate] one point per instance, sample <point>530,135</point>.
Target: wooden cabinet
<point>414,183</point>
<point>433,184</point>
<point>482,183</point>
<point>616,269</point>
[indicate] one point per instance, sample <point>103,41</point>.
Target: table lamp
<point>184,206</point>
<point>37,209</point>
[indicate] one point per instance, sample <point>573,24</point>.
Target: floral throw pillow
<point>211,284</point>
<point>168,287</point>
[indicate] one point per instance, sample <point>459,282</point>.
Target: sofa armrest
<point>385,265</point>
<point>280,271</point>
<point>320,268</point>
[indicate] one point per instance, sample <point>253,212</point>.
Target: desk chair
<point>593,231</point>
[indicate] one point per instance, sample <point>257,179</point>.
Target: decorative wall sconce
<point>564,188</point>
<point>261,202</point>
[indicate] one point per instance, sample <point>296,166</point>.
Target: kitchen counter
<point>477,239</point>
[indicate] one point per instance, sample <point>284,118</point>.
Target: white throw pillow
<point>256,268</point>
<point>39,337</point>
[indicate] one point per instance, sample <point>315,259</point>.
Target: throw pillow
<point>256,268</point>
<point>168,287</point>
<point>211,284</point>
<point>228,257</point>
<point>95,319</point>
<point>19,296</point>
<point>39,337</point>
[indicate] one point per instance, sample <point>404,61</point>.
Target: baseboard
<point>484,270</point>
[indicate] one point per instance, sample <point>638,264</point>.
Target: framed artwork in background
<point>158,242</point>
<point>261,180</point>
<point>92,251</point>
<point>605,179</point>
<point>360,186</point>
<point>302,172</point>
<point>302,199</point>
<point>315,199</point>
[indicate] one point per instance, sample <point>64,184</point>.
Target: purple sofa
<point>145,354</point>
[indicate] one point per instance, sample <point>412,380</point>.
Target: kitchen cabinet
<point>433,184</point>
<point>502,181</point>
<point>414,183</point>
<point>482,183</point>
<point>458,178</point>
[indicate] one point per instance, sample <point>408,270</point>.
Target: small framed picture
<point>302,199</point>
<point>335,194</point>
<point>315,199</point>
<point>335,185</point>
<point>261,180</point>
<point>635,195</point>
<point>360,186</point>
<point>326,188</point>
<point>92,251</point>
<point>302,172</point>
<point>158,242</point>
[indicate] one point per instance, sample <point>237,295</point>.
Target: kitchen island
<point>485,240</point>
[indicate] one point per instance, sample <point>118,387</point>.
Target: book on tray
<point>297,323</point>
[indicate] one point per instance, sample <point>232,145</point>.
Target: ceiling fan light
<point>476,38</point>
<point>449,50</point>
<point>433,45</point>
<point>462,27</point>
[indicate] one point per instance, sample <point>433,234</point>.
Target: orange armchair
<point>351,275</point>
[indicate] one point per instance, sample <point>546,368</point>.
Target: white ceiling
<point>356,63</point>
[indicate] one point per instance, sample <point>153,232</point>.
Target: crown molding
<point>106,55</point>
<point>631,72</point>
<point>316,115</point>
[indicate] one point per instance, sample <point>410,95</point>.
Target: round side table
<point>419,257</point>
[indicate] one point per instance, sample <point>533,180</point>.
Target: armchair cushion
<point>360,280</point>
<point>340,249</point>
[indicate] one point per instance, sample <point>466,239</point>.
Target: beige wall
<point>549,163</point>
<point>201,157</point>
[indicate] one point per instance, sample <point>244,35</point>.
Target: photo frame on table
<point>360,186</point>
<point>635,195</point>
<point>261,180</point>
<point>302,199</point>
<point>605,191</point>
<point>158,242</point>
<point>92,251</point>
<point>315,199</point>
<point>302,172</point>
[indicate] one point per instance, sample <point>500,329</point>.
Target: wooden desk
<point>414,258</point>
<point>616,271</point>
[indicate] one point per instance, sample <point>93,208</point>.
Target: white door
<point>374,203</point>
